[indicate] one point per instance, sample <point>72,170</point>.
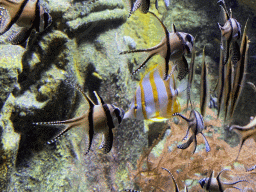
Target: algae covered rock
<point>41,90</point>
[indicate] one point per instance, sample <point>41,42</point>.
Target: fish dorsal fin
<point>174,28</point>
<point>173,180</point>
<point>99,99</point>
<point>91,103</point>
<point>168,51</point>
<point>224,11</point>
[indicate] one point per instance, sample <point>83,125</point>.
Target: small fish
<point>143,5</point>
<point>100,118</point>
<point>26,14</point>
<point>175,183</point>
<point>155,99</point>
<point>245,132</point>
<point>196,123</point>
<point>173,47</point>
<point>215,185</point>
<point>204,86</point>
<point>240,72</point>
<point>230,33</point>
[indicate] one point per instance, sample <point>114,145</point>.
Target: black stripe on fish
<point>36,23</point>
<point>91,126</point>
<point>110,122</point>
<point>209,181</point>
<point>17,16</point>
<point>168,51</point>
<point>117,113</point>
<point>218,180</point>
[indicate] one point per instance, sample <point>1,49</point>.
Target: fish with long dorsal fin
<point>196,124</point>
<point>230,33</point>
<point>245,132</point>
<point>173,47</point>
<point>155,99</point>
<point>175,183</point>
<point>204,86</point>
<point>26,14</point>
<point>240,72</point>
<point>213,184</point>
<point>143,5</point>
<point>100,118</point>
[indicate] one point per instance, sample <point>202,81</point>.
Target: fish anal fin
<point>182,67</point>
<point>187,144</point>
<point>20,36</point>
<point>107,141</point>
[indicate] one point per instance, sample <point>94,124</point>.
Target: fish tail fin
<point>56,137</point>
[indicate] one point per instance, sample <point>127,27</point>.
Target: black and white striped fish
<point>173,47</point>
<point>215,185</point>
<point>26,14</point>
<point>230,32</point>
<point>100,118</point>
<point>143,5</point>
<point>196,124</point>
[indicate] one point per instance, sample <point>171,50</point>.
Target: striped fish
<point>215,185</point>
<point>155,99</point>
<point>230,32</point>
<point>100,118</point>
<point>143,5</point>
<point>26,14</point>
<point>173,47</point>
<point>196,124</point>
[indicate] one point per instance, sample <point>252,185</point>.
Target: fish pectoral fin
<point>182,67</point>
<point>187,144</point>
<point>107,141</point>
<point>5,20</point>
<point>20,36</point>
<point>207,146</point>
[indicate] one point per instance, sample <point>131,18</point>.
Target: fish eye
<point>188,38</point>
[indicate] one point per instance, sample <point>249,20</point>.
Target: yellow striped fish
<point>155,99</point>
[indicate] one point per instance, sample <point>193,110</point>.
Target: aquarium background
<point>82,46</point>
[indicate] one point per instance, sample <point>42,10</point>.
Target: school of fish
<point>157,95</point>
